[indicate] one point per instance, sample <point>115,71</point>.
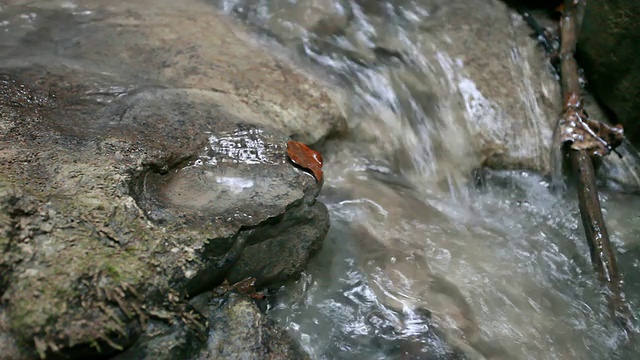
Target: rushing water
<point>420,262</point>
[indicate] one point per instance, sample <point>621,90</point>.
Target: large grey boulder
<point>135,169</point>
<point>184,44</point>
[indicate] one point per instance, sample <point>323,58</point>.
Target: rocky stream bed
<point>144,172</point>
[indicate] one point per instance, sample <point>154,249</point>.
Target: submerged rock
<point>135,170</point>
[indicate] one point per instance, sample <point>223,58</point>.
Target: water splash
<point>244,146</point>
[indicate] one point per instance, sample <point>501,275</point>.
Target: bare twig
<point>602,254</point>
<point>549,44</point>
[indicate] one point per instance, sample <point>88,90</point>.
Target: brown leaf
<point>246,286</point>
<point>586,134</point>
<point>305,157</point>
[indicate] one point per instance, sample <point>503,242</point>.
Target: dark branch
<point>602,254</point>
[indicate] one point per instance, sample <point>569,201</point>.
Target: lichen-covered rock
<point>609,53</point>
<point>128,182</point>
<point>121,216</point>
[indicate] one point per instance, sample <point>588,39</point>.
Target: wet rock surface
<point>609,52</point>
<point>240,330</point>
<point>236,328</point>
<point>161,42</point>
<point>463,69</point>
<point>467,76</point>
<point>129,184</point>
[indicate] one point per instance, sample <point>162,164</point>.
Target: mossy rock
<point>117,203</point>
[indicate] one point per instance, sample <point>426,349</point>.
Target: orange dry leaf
<point>305,157</point>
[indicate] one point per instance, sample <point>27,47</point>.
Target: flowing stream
<point>420,261</point>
